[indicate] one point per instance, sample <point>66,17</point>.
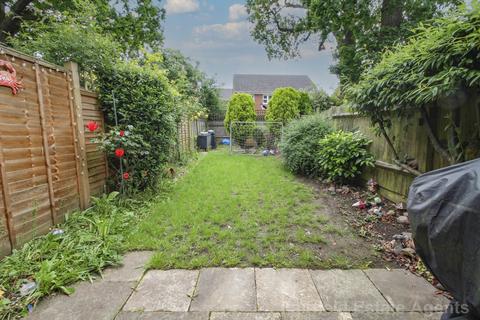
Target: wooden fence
<point>410,140</point>
<point>48,165</point>
<point>187,133</point>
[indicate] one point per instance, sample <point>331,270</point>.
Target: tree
<point>241,107</point>
<point>437,67</point>
<point>136,25</point>
<point>321,101</point>
<point>284,106</point>
<point>305,104</point>
<point>361,28</point>
<point>73,38</point>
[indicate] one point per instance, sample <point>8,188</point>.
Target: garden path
<point>130,293</point>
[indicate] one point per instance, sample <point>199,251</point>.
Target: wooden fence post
<point>79,134</point>
<point>7,203</point>
<point>46,148</point>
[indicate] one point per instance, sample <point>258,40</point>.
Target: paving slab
<point>100,300</point>
<point>316,316</point>
<point>132,268</point>
<point>407,292</point>
<point>163,316</point>
<point>222,289</point>
<point>348,290</point>
<point>245,316</point>
<point>395,316</point>
<point>159,290</point>
<point>286,290</point>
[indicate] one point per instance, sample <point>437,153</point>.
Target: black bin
<point>213,140</point>
<point>204,141</point>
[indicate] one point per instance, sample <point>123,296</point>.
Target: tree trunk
<point>392,13</point>
<point>433,138</point>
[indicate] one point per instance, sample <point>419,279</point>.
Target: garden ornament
<point>8,77</point>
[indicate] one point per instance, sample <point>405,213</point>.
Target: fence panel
<point>96,159</point>
<point>41,152</point>
<point>410,140</point>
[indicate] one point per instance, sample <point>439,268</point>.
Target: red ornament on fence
<point>8,77</point>
<point>119,152</point>
<point>92,126</point>
<point>126,176</point>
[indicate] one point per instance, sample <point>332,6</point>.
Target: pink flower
<point>126,176</point>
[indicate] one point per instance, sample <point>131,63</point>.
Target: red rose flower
<point>119,152</point>
<point>122,133</point>
<point>126,176</point>
<point>92,126</point>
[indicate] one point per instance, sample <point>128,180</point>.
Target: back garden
<point>308,201</point>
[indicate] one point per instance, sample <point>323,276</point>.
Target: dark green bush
<point>144,101</point>
<point>301,143</point>
<point>342,155</point>
<point>305,104</point>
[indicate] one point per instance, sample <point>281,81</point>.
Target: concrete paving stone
<point>348,290</point>
<point>316,316</point>
<point>131,269</point>
<point>98,300</point>
<point>222,289</point>
<point>245,316</point>
<point>395,316</point>
<point>286,290</point>
<point>163,316</point>
<point>407,292</point>
<point>159,290</point>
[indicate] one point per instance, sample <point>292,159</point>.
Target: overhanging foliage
<point>438,67</point>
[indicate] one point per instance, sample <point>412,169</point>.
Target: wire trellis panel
<point>255,137</point>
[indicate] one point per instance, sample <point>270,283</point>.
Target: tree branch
<point>433,138</point>
<point>10,24</point>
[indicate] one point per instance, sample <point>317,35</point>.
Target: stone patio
<point>129,293</point>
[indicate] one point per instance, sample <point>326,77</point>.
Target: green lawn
<point>235,210</point>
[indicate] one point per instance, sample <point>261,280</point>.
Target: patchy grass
<point>237,210</point>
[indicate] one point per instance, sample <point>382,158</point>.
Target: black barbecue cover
<point>444,210</point>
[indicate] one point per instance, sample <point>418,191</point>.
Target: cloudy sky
<point>216,34</point>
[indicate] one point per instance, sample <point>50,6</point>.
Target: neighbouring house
<point>261,86</point>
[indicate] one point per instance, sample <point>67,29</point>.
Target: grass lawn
<point>236,210</point>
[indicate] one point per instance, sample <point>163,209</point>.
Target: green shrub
<point>241,107</point>
<point>144,101</point>
<point>342,155</point>
<point>305,104</point>
<point>301,144</point>
<point>284,105</point>
<point>321,100</point>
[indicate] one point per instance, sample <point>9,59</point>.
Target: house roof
<point>225,93</point>
<point>266,84</point>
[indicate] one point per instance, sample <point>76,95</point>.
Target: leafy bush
<point>342,155</point>
<point>284,105</point>
<point>321,101</point>
<point>241,107</point>
<point>90,241</point>
<point>144,100</point>
<point>305,104</point>
<point>301,144</point>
